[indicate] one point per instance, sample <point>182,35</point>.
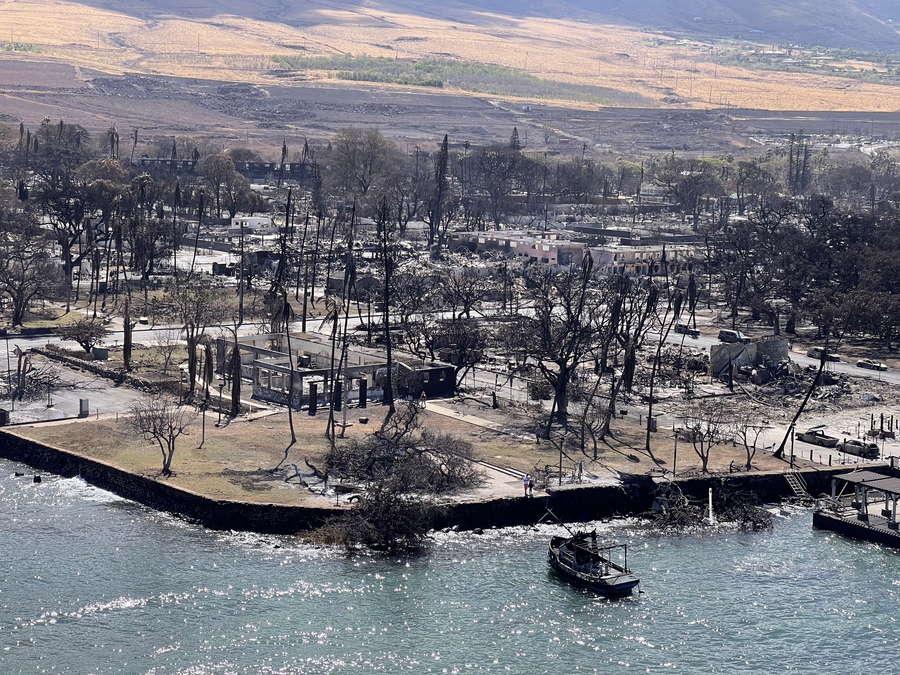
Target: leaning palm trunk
<point>281,320</point>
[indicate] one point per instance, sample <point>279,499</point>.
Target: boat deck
<point>579,560</point>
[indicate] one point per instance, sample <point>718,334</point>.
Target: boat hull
<point>581,561</point>
<point>613,586</point>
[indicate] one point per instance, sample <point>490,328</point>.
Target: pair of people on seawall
<point>528,484</point>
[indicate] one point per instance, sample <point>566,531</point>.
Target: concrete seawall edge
<point>575,503</point>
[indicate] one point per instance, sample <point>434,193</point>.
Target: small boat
<point>580,560</point>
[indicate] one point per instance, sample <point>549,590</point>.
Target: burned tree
<point>705,428</point>
<point>86,332</point>
<point>437,201</point>
<point>384,519</point>
<point>563,329</point>
<point>414,458</point>
<point>748,429</point>
<point>196,305</point>
<point>27,272</point>
<point>162,420</point>
<point>166,343</point>
<point>665,321</point>
<point>632,306</point>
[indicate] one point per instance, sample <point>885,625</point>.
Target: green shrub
<point>466,75</point>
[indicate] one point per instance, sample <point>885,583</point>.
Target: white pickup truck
<point>817,437</point>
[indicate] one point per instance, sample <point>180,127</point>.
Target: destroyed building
<point>266,360</point>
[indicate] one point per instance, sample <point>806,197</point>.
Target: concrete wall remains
<point>768,352</point>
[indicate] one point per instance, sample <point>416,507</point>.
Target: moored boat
<point>580,560</point>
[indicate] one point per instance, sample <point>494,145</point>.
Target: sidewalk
<point>478,421</point>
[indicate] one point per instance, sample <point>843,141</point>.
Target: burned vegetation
<point>416,460</point>
<point>399,470</point>
<point>673,511</point>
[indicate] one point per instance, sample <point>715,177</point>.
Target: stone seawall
<point>572,503</point>
<point>211,513</point>
<point>580,503</point>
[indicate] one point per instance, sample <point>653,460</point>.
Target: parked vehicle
<point>733,336</point>
<point>685,329</point>
<point>816,353</point>
<point>871,364</point>
<point>817,437</point>
<point>859,448</point>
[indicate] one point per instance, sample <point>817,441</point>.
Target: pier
<point>868,512</point>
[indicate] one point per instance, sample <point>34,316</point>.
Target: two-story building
<point>642,260</point>
<point>554,247</point>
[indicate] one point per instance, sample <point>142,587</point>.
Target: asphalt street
<point>106,399</point>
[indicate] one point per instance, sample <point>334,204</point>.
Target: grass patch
<point>469,76</point>
<point>19,47</point>
<point>868,67</point>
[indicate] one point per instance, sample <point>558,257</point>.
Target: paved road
<point>848,367</point>
<point>110,400</point>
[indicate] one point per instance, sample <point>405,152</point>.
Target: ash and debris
<point>673,511</point>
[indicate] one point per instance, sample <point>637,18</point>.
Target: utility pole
<point>203,407</point>
<point>560,454</point>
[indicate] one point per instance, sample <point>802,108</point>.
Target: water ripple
<point>91,584</point>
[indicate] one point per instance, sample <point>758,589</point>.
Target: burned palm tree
<point>670,315</point>
<point>388,257</point>
<point>112,140</point>
<point>282,316</point>
<point>207,373</point>
<point>134,142</point>
<point>340,329</point>
<point>197,237</point>
<point>284,154</point>
<point>176,202</point>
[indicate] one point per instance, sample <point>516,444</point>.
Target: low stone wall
<point>117,375</point>
<point>570,503</point>
<point>120,376</point>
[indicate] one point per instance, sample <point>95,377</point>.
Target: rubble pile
<point>775,391</point>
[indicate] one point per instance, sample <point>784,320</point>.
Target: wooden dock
<point>868,512</point>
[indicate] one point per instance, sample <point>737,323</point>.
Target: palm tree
<point>282,316</point>
<point>112,138</point>
<point>134,144</point>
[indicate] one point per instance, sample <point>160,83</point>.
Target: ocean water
<point>90,584</point>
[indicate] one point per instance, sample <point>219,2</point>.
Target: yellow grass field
<point>669,72</point>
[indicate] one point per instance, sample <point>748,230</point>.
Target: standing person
<point>530,486</point>
<point>526,482</point>
<point>422,400</point>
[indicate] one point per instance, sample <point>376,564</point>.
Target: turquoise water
<point>90,583</point>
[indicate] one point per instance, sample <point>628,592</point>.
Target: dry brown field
<point>236,460</point>
<point>666,71</point>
